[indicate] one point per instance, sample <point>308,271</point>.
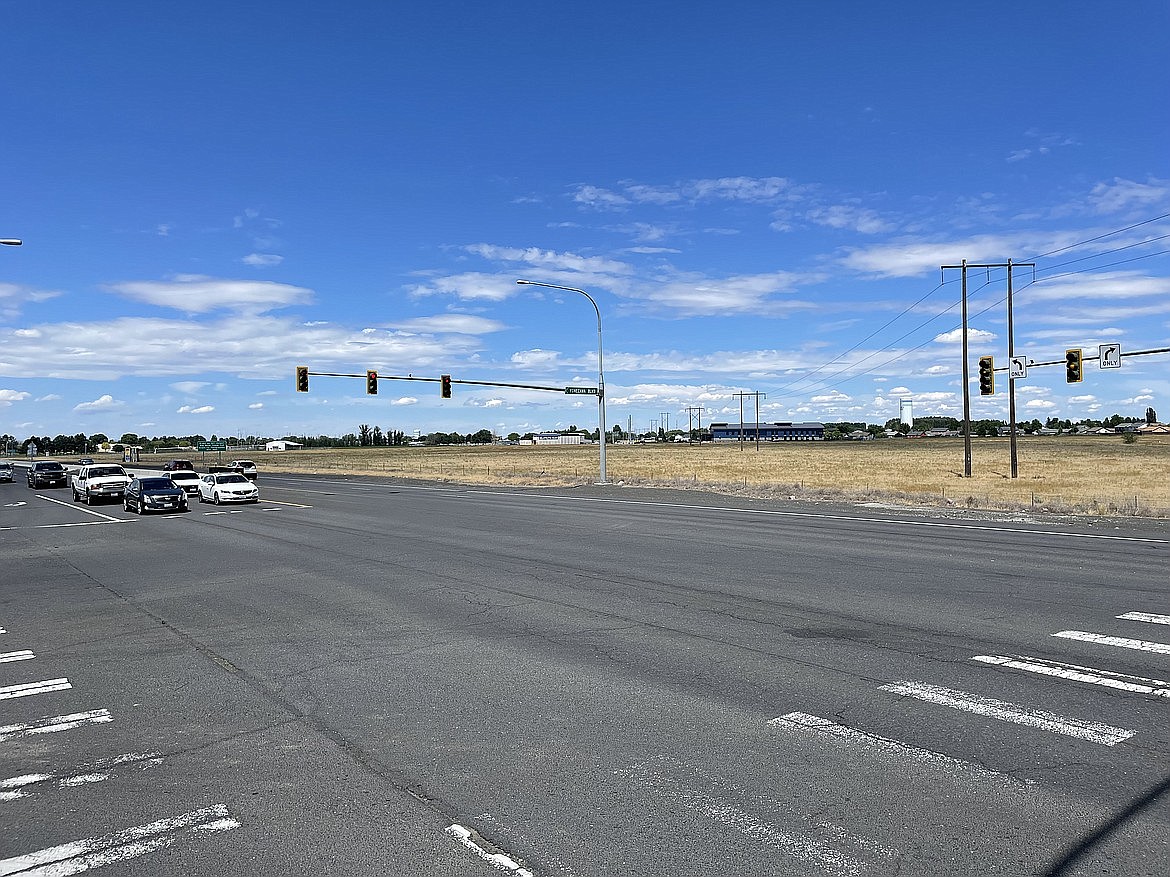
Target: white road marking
<point>94,852</point>
<point>1138,684</point>
<point>806,848</point>
<point>1094,732</point>
<point>1120,642</point>
<point>22,655</point>
<point>1146,616</point>
<point>497,860</point>
<point>83,775</point>
<point>31,688</point>
<point>77,508</point>
<point>56,723</point>
<point>830,728</point>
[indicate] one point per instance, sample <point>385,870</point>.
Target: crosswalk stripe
<point>1120,681</point>
<point>1146,616</point>
<point>1119,641</point>
<point>29,688</point>
<point>1094,732</point>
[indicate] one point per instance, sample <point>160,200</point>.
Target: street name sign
<point>581,391</point>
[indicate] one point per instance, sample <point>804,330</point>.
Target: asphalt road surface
<point>356,677</point>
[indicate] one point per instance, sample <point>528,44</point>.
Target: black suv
<point>175,465</point>
<point>47,473</point>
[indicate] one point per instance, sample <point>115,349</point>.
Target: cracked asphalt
<point>591,681</point>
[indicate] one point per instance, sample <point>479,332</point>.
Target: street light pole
<point>600,367</point>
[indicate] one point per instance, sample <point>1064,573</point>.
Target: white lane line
<point>1121,642</point>
<point>31,688</point>
<point>1094,732</point>
<point>497,860</point>
<point>88,511</point>
<point>50,725</point>
<point>2,630</point>
<point>94,852</point>
<point>1120,681</point>
<point>22,655</point>
<point>830,728</point>
<point>86,774</point>
<point>1146,616</point>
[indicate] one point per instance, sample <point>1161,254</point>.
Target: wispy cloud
<point>262,260</point>
<point>197,294</point>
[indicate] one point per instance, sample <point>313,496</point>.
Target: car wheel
<point>215,498</point>
<point>126,503</point>
<point>87,498</point>
<point>141,506</point>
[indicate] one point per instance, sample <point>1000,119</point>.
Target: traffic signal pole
<point>1011,352</point>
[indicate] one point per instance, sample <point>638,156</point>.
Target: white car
<point>185,479</point>
<point>246,468</point>
<point>220,487</point>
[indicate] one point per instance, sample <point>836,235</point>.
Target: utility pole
<point>758,394</point>
<point>966,366</point>
<point>691,412</point>
<point>741,395</point>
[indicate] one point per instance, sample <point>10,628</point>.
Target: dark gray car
<point>47,473</point>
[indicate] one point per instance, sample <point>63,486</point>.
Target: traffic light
<point>302,379</point>
<point>986,376</point>
<point>445,386</point>
<point>1073,372</point>
<point>372,383</point>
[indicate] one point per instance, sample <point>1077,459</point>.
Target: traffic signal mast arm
<point>1084,358</point>
<point>382,377</point>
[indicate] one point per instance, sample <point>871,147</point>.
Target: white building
<point>282,445</point>
<point>558,438</point>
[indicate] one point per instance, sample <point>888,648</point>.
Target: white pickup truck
<point>99,481</point>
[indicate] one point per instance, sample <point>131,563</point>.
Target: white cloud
<point>102,403</point>
<point>189,387</point>
<point>955,336</point>
<point>549,259</point>
<point>535,357</point>
<point>256,406</point>
<point>461,324</point>
<point>262,260</point>
<point>845,216</point>
<point>49,397</point>
<point>195,293</point>
<point>1039,405</point>
<point>1126,196</point>
<point>404,400</point>
<point>7,397</point>
<point>203,409</point>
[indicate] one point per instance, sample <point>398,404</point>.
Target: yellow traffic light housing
<point>1074,371</point>
<point>445,386</point>
<point>986,376</point>
<point>302,379</point>
<point>372,383</point>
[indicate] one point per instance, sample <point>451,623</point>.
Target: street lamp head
<point>11,242</point>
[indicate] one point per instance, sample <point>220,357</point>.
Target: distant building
<point>769,432</point>
<point>559,438</point>
<point>282,445</point>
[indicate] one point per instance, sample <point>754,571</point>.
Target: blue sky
<point>758,195</point>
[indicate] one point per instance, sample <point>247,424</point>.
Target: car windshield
<point>49,467</point>
<point>247,464</point>
<point>234,478</point>
<point>106,470</point>
<point>156,484</point>
<point>184,475</point>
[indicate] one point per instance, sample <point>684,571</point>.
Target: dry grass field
<point>1066,474</point>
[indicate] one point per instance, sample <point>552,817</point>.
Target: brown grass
<point>1067,474</point>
